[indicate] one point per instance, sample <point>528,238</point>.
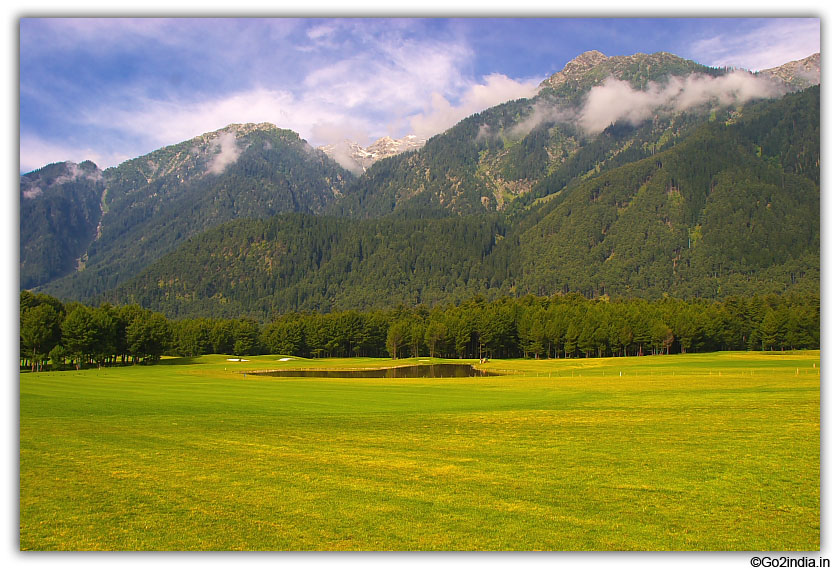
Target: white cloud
<point>355,78</point>
<point>617,100</point>
<point>36,153</point>
<point>387,76</point>
<point>226,152</point>
<point>322,32</point>
<point>541,112</point>
<point>169,122</point>
<point>390,87</point>
<point>343,154</point>
<point>74,173</point>
<point>440,114</point>
<point>332,132</point>
<point>161,123</point>
<point>32,192</point>
<point>151,124</point>
<point>322,117</point>
<point>773,43</point>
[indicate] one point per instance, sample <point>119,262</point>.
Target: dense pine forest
<point>59,212</point>
<point>56,335</point>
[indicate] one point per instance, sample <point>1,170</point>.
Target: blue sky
<point>115,88</point>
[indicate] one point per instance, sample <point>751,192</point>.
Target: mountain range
<point>643,175</point>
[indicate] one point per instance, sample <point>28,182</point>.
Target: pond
<point>413,371</point>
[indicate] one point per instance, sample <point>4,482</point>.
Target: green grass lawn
<point>684,452</point>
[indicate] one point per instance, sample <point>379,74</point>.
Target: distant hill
<point>356,159</point>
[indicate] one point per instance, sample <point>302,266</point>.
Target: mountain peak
<point>592,67</point>
<point>353,157</point>
<point>35,183</point>
<point>576,68</point>
<point>587,59</point>
<point>798,74</point>
<point>386,146</point>
<point>245,128</point>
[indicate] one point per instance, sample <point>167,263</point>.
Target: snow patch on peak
<point>354,158</point>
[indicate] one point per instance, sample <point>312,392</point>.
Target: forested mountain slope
<point>304,262</point>
<point>154,202</point>
<point>633,176</point>
<point>59,214</point>
<point>731,209</point>
<point>706,218</point>
<point>516,149</point>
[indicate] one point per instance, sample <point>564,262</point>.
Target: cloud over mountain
<point>439,114</point>
<point>226,152</point>
<point>617,100</point>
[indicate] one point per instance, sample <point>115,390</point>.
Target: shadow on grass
<point>181,360</point>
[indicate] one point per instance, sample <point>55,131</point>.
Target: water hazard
<point>413,371</point>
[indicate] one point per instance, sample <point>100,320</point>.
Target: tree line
<point>57,335</point>
<point>80,335</point>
